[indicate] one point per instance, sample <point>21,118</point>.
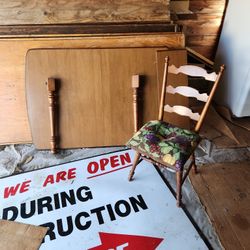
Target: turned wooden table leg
<point>135,86</point>
<point>51,86</point>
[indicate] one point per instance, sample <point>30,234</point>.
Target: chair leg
<point>194,167</point>
<point>132,171</point>
<point>178,188</point>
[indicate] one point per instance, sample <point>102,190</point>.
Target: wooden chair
<point>169,146</point>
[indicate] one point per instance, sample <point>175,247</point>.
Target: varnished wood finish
<point>178,188</point>
<point>212,92</point>
<point>187,170</point>
<point>14,126</point>
<point>96,108</point>
<point>224,190</point>
<point>187,70</point>
<point>191,70</point>
<point>51,86</point>
<point>78,11</point>
<point>178,58</point>
<point>135,86</point>
<point>135,163</point>
<point>163,90</point>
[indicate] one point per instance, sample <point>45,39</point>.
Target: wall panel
<point>79,11</point>
<point>202,25</point>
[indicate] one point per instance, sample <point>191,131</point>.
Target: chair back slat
<point>182,110</point>
<point>192,70</point>
<point>188,92</point>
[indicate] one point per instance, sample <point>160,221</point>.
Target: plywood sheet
<point>224,190</point>
<point>14,126</point>
<point>15,235</point>
<point>77,11</point>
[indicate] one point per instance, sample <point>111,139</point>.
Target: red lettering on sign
<point>25,186</point>
<point>72,173</point>
<point>49,179</point>
<point>93,167</point>
<point>108,165</point>
<point>114,161</point>
<point>125,159</point>
<point>123,241</point>
<point>60,176</point>
<point>12,191</point>
<point>103,163</point>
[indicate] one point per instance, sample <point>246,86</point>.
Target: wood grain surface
<point>202,25</point>
<point>91,29</point>
<point>95,94</point>
<point>224,190</point>
<point>77,11</point>
<point>15,235</point>
<point>14,126</point>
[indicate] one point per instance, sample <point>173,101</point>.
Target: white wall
<point>234,52</point>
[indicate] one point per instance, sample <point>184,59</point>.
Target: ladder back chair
<point>166,145</point>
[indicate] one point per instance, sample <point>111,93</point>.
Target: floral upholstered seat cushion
<point>165,143</point>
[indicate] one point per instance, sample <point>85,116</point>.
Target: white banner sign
<point>89,204</point>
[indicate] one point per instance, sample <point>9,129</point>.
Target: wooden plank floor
<point>224,190</point>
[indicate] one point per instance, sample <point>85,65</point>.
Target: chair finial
<point>222,67</point>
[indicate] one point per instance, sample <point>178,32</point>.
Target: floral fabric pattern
<point>165,143</point>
